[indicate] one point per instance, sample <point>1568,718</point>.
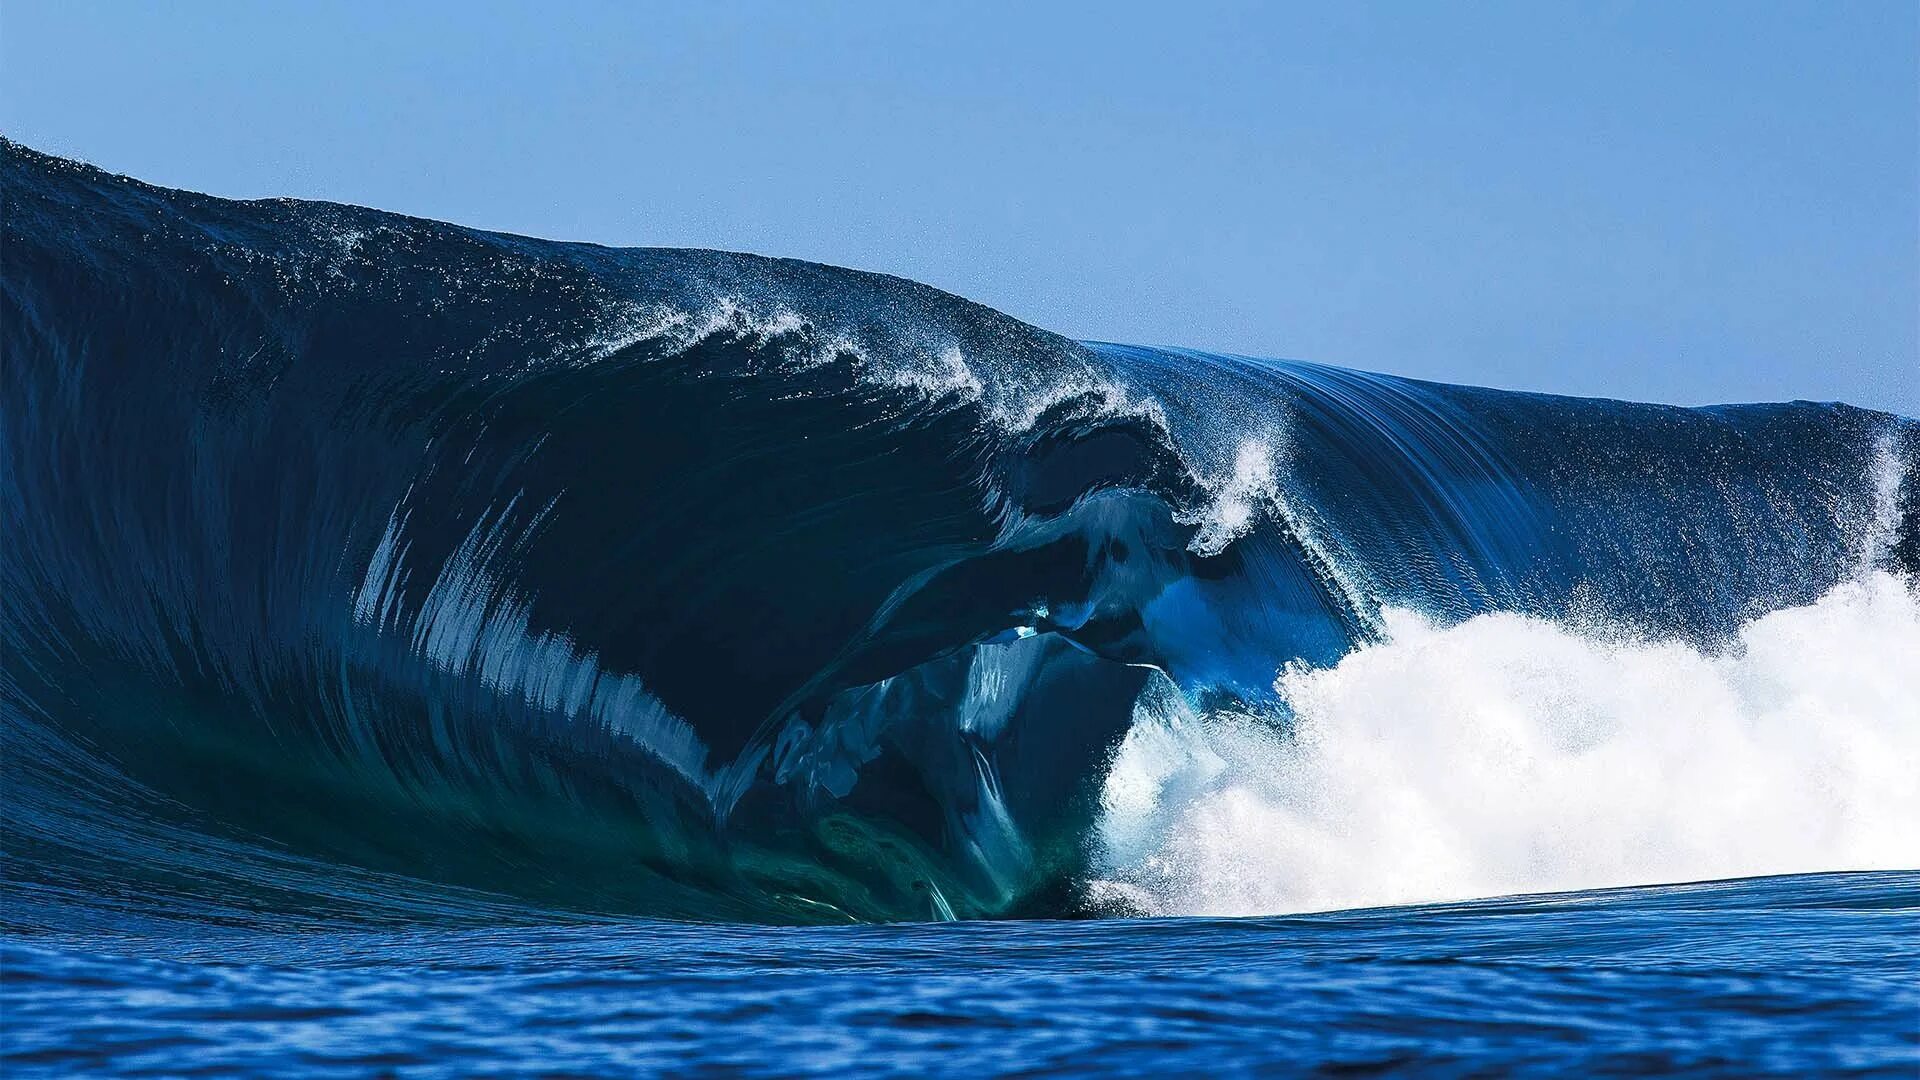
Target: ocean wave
<point>364,567</point>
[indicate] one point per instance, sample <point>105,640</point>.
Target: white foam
<point>1887,474</point>
<point>1509,755</point>
<point>680,328</point>
<point>1238,498</point>
<point>937,374</point>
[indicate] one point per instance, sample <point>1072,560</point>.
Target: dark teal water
<point>1791,976</point>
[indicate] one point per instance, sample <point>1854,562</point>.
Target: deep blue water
<point>1795,976</point>
<point>440,652</point>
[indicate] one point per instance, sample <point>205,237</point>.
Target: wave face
<point>360,566</point>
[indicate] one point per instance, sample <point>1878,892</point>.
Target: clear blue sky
<point>1683,202</point>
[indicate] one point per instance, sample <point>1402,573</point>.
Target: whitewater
<point>1508,755</point>
<point>422,647</point>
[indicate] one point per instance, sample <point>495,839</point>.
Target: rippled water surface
<point>1777,975</point>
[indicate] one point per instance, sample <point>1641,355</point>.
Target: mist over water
<point>1509,754</point>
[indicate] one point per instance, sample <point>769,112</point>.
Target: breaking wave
<point>1508,754</point>
<point>364,567</point>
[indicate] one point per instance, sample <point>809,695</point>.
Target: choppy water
<point>1794,975</point>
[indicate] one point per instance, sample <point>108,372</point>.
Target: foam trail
<point>1508,754</point>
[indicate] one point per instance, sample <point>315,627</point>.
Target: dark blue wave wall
<point>363,566</point>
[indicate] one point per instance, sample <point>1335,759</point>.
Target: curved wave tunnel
<point>359,566</point>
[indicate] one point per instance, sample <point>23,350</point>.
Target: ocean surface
<point>1790,976</point>
<point>428,651</point>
